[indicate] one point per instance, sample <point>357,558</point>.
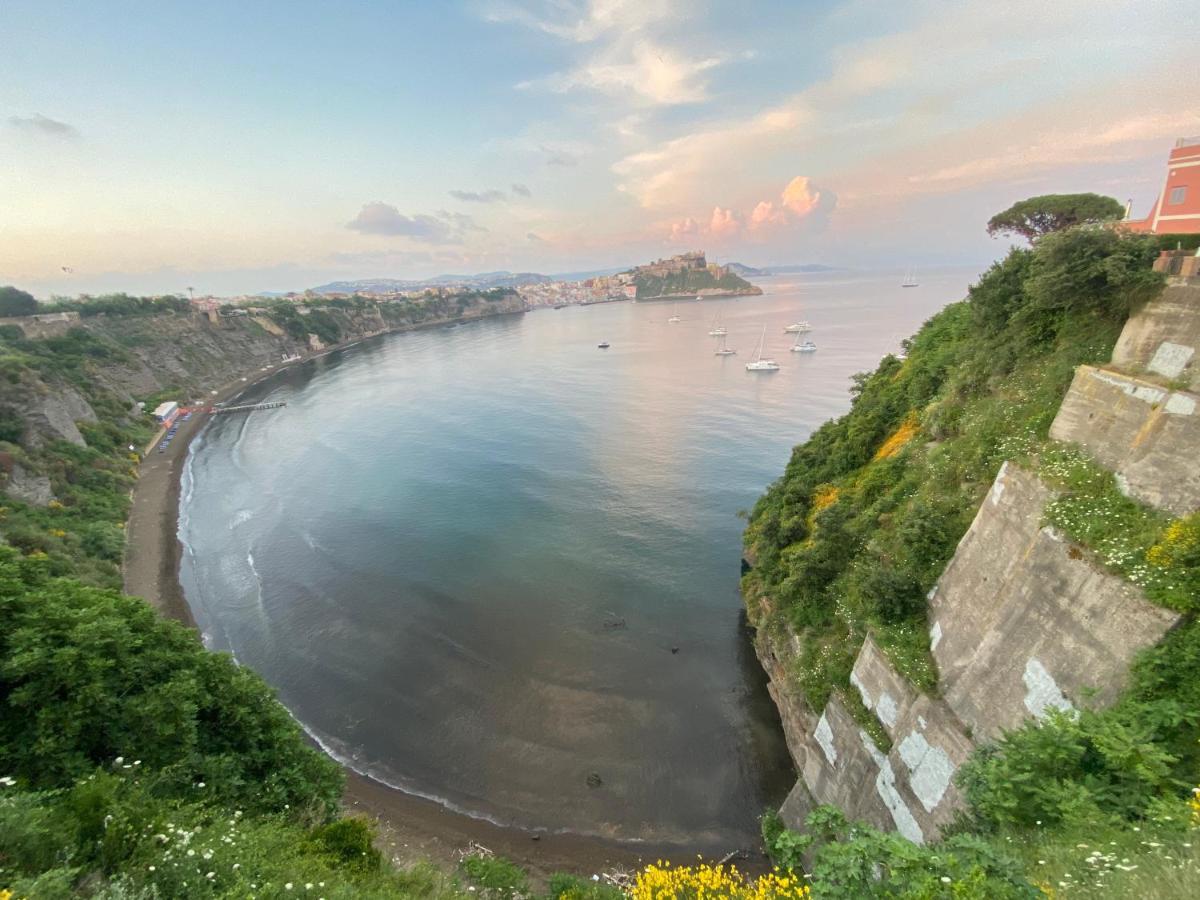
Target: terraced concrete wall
<point>1148,435</point>
<point>1022,620</point>
<point>1164,338</point>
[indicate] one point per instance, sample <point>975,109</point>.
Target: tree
<point>15,302</point>
<point>1038,216</point>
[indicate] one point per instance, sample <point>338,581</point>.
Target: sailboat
<point>760,364</point>
<point>722,349</point>
<point>717,329</point>
<point>674,316</point>
<point>910,279</point>
<point>797,328</point>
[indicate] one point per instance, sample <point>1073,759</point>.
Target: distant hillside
<point>691,282</point>
<point>751,271</point>
<point>481,281</point>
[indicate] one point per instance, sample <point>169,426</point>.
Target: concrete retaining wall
<point>1164,338</point>
<point>1024,622</point>
<point>1149,436</point>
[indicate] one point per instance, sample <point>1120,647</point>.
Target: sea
<point>497,566</point>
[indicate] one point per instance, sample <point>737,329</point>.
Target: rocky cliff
<point>1023,620</point>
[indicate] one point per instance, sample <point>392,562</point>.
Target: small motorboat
<point>804,347</point>
<point>603,345</point>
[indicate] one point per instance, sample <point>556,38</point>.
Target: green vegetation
<point>690,281</point>
<point>866,516</point>
<point>1074,803</point>
<point>871,507</point>
<point>81,530</point>
<point>1038,216</point>
<point>1159,554</point>
<point>15,302</point>
<point>120,305</point>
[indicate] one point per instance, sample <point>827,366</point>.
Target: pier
<point>249,407</point>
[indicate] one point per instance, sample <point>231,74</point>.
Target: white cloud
<point>584,22</point>
<point>944,70</point>
<point>627,53</point>
<point>645,72</point>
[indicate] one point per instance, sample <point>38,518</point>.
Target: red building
<point>1177,210</point>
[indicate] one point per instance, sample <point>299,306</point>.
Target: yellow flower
<point>901,436</point>
<point>704,882</point>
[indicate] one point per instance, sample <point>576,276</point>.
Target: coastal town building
<point>681,263</point>
<point>1177,209</point>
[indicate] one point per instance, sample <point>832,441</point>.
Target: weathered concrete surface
<point>1026,622</point>
<point>845,769</point>
<point>884,691</point>
<point>1149,436</point>
<point>1164,337</point>
<point>929,742</point>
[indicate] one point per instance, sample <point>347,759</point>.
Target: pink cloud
<point>684,228</point>
<point>799,200</point>
<point>800,197</point>
<point>724,222</point>
<point>767,215</point>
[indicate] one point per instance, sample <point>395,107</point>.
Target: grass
<point>1154,551</point>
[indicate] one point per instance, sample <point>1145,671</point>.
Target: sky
<point>238,147</point>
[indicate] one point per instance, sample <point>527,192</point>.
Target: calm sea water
<point>483,563</point>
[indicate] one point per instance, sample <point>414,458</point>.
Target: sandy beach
<point>411,828</point>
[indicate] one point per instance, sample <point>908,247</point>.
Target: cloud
<point>647,72</point>
<point>584,22</point>
<point>723,223</point>
<point>936,71</point>
<point>627,56</point>
<point>765,215</point>
<point>492,196</point>
<point>384,219</point>
<point>799,201</point>
<point>685,228</point>
<point>521,190</point>
<point>44,126</point>
<point>799,196</point>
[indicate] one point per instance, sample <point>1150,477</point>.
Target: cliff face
<point>62,376</point>
<point>1022,620</point>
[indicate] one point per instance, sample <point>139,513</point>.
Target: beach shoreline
<point>411,828</point>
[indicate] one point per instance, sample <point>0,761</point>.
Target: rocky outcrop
<point>26,486</point>
<point>51,413</point>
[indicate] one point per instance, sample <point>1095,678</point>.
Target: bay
<point>491,564</point>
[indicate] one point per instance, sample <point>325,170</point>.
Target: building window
<point>1177,196</point>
